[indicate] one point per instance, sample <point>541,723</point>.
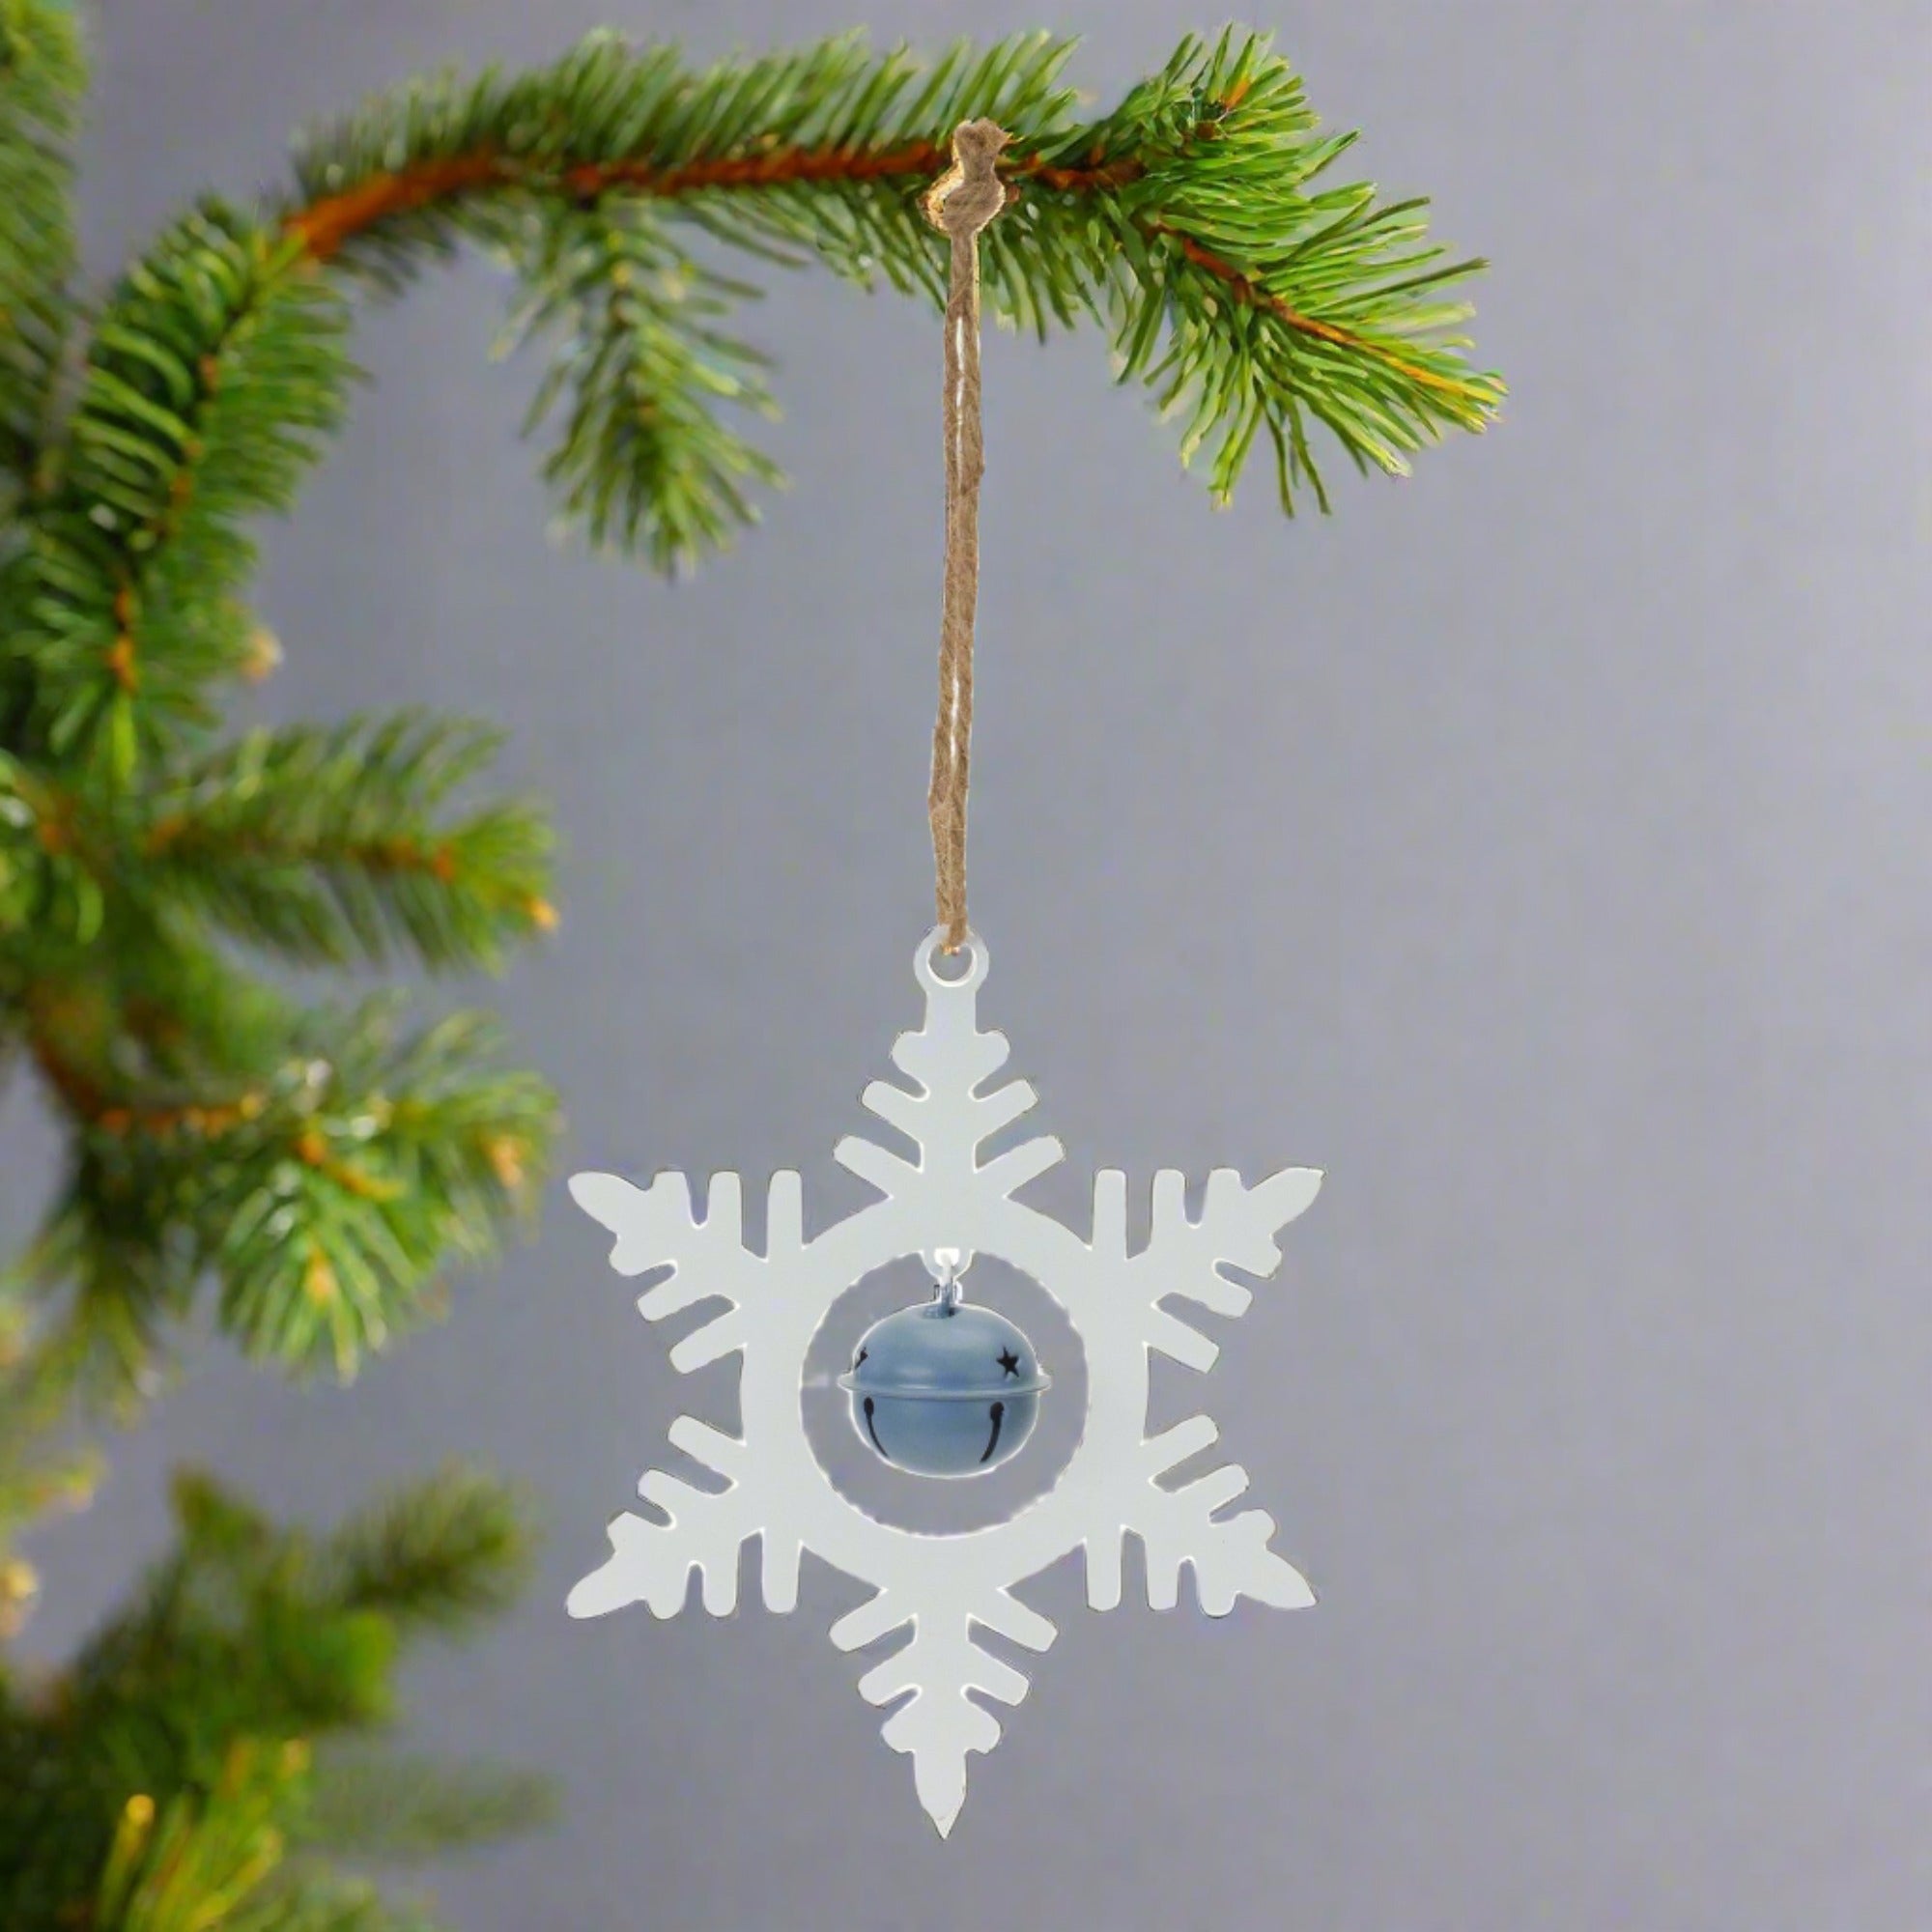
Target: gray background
<point>1540,846</point>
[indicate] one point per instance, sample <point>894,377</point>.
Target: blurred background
<point>1540,846</point>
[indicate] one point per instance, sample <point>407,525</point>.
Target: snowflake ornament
<point>946,1207</point>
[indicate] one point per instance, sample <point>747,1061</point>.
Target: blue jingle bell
<point>945,1388</point>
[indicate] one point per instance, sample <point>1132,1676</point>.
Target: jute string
<point>961,202</point>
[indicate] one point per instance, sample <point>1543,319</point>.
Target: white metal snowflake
<point>944,1587</point>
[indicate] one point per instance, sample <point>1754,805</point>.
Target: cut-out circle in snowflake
<point>944,1587</point>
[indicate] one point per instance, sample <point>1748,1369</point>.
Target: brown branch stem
<point>88,1101</point>
<point>1243,288</point>
<point>324,226</point>
<point>176,836</point>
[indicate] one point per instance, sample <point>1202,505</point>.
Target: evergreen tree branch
<point>324,1169</point>
<point>44,1468</point>
<point>168,1778</point>
<point>42,76</point>
<point>328,1232</point>
<point>50,878</point>
<point>307,1899</point>
<point>398,1809</point>
<point>1246,297</point>
<point>212,376</point>
<point>198,1860</point>
<point>113,1267</point>
<point>438,1554</point>
<point>156,1056</point>
<point>644,461</point>
<point>247,1630</point>
<point>232,1637</point>
<point>325,844</point>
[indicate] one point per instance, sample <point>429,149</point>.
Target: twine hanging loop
<point>960,203</point>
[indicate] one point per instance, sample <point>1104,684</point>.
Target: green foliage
<point>645,459</point>
<point>305,1178</point>
<point>42,74</point>
<point>325,845</point>
<point>439,1555</point>
<point>325,1195</point>
<point>213,375</point>
<point>327,1902</point>
<point>1190,221</point>
<point>171,1777</point>
<point>399,1810</point>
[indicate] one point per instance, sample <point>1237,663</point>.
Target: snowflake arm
<point>700,1260</point>
<point>940,1726</point>
<point>1237,1227</point>
<point>1230,1556</point>
<point>704,1259</point>
<point>948,1117</point>
<point>651,1563</point>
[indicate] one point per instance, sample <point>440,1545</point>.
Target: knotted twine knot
<point>960,203</point>
<point>968,195</point>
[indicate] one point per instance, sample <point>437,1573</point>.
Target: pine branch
<point>324,1169</point>
<point>146,1033</point>
<point>157,1056</point>
<point>213,374</point>
<point>439,1554</point>
<point>645,460</point>
<point>325,845</point>
<point>1248,299</point>
<point>47,888</point>
<point>246,1630</point>
<point>44,1468</point>
<point>115,1265</point>
<point>396,1809</point>
<point>164,1778</point>
<point>200,1860</point>
<point>310,1900</point>
<point>229,1639</point>
<point>330,1230</point>
<point>42,76</point>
